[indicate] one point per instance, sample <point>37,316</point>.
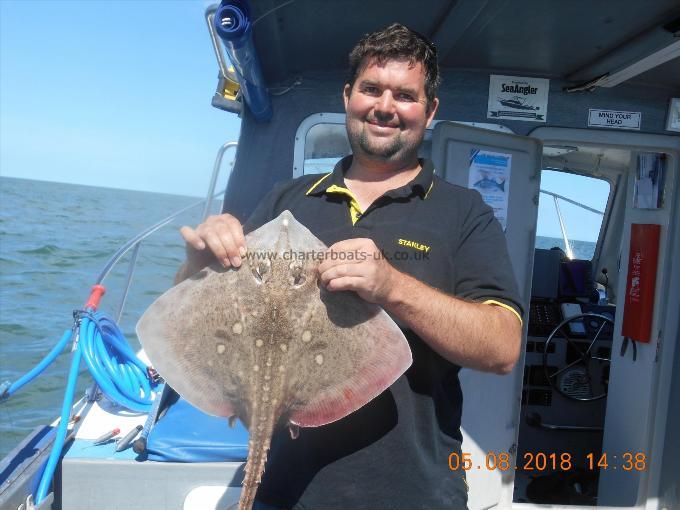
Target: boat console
<point>565,382</point>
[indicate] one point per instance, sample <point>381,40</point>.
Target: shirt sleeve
<point>483,269</point>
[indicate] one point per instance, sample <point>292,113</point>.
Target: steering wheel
<point>586,378</point>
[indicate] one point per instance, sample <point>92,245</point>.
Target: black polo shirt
<point>393,452</point>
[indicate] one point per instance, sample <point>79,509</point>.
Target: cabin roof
<point>578,40</point>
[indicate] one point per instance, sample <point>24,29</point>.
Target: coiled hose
<point>120,374</point>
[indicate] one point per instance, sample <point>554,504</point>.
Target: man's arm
<point>475,335</point>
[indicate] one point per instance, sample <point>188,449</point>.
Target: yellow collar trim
<point>355,211</point>
<point>334,188</point>
<point>317,183</point>
<point>429,189</point>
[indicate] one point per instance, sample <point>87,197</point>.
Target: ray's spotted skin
<point>267,344</point>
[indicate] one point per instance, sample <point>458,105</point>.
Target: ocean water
<point>583,250</point>
<point>54,241</point>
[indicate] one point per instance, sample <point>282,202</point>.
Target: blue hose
<point>120,374</point>
<point>40,367</point>
<point>60,437</point>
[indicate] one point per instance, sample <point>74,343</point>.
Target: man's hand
<point>358,265</point>
<point>219,238</point>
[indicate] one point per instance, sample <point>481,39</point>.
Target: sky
<point>117,94</point>
<point>110,93</point>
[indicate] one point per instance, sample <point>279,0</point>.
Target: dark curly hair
<point>397,42</point>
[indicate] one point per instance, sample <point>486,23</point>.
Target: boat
<point>589,416</point>
<point>518,103</point>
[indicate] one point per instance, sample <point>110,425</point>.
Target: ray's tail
<point>261,431</point>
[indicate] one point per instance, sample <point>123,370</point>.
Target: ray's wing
<point>190,330</point>
<point>347,352</point>
<point>199,334</point>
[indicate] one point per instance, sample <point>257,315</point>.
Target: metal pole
<point>601,213</point>
<point>128,281</point>
<point>213,178</point>
<point>570,253</point>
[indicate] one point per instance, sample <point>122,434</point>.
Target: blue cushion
<point>185,434</point>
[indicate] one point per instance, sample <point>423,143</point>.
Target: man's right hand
<point>219,237</point>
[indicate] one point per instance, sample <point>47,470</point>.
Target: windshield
<point>580,224</point>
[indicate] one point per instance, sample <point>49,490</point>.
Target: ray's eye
<point>261,270</point>
<point>297,275</point>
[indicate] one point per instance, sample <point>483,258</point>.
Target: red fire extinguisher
<point>638,311</point>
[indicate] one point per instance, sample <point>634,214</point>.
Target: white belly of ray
<point>266,344</point>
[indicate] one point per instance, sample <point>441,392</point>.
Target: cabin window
<point>571,206</point>
<point>325,145</point>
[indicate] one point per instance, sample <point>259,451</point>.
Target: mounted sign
<point>490,175</point>
<point>518,98</point>
<point>614,119</point>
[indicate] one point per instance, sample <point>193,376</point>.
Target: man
<point>434,259</point>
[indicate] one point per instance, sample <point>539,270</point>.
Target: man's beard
<point>396,149</point>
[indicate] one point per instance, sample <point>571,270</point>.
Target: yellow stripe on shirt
<point>503,305</point>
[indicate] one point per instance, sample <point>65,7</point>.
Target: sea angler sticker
<point>518,98</point>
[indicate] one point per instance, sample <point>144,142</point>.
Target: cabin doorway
<point>590,401</point>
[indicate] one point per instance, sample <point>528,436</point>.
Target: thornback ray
<point>268,344</point>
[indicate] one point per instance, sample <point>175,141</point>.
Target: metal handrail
<point>213,179</point>
<point>582,206</point>
<point>567,245</point>
<point>141,236</point>
<point>555,196</point>
<point>135,242</point>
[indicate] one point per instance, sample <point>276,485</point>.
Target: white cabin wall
<point>666,433</point>
<point>669,483</point>
<point>635,409</point>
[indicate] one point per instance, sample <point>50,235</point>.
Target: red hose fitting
<point>95,296</point>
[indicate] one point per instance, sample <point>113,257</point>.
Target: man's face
<point>387,110</point>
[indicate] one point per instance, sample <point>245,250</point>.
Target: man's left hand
<point>358,265</point>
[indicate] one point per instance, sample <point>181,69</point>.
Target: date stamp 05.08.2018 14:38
<point>541,461</point>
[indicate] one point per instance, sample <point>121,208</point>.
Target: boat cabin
<point>576,95</point>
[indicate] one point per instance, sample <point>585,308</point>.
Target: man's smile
<point>382,127</point>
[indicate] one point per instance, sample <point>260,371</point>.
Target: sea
<point>55,239</point>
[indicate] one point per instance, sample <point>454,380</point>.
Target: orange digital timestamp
<point>541,461</point>
<point>627,461</point>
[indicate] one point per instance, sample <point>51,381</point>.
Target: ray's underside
<point>268,344</point>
